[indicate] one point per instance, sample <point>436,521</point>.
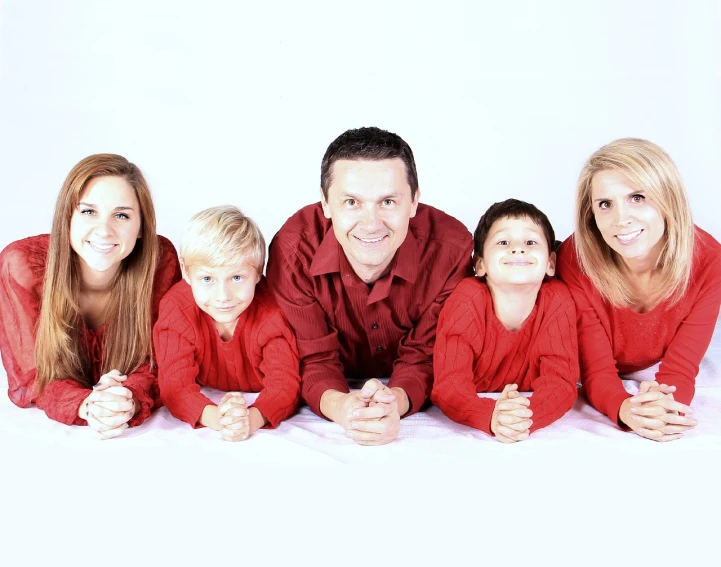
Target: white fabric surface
<point>579,492</point>
<point>427,436</point>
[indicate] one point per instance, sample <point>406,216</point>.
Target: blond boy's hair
<point>222,236</point>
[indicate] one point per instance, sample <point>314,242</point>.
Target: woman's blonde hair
<point>650,169</point>
<point>60,349</point>
<point>222,236</point>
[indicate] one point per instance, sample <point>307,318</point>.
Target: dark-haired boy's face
<point>370,205</point>
<point>515,253</point>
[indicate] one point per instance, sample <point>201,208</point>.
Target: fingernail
<point>634,410</point>
<point>349,434</point>
<point>365,393</point>
<point>356,414</point>
<point>354,425</point>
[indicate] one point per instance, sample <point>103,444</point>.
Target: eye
<point>350,202</point>
<point>604,205</point>
<point>206,279</point>
<point>638,198</point>
<point>388,202</point>
<point>121,216</point>
<point>531,242</point>
<point>87,212</point>
<point>238,278</point>
<point>502,242</point>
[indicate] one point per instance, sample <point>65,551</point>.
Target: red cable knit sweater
<point>474,352</point>
<point>260,357</point>
<point>613,339</point>
<point>22,268</point>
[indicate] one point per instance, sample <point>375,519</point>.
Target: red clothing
<point>22,268</point>
<point>476,353</point>
<point>613,339</point>
<point>260,357</point>
<point>347,328</point>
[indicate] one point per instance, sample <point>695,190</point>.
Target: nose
<point>622,216</point>
<point>518,249</point>
<point>102,226</point>
<point>370,220</point>
<point>223,294</point>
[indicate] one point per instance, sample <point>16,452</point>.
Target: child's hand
<point>234,422</point>
<point>511,419</point>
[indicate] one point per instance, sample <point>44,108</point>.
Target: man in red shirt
<point>361,277</point>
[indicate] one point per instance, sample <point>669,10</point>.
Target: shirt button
<point>379,348</point>
<point>374,326</point>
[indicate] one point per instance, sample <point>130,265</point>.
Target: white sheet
<point>582,473</point>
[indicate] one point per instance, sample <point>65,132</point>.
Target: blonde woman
<point>77,306</point>
<point>647,287</point>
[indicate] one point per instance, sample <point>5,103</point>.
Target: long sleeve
<point>413,370</point>
<point>318,346</point>
<point>279,366</point>
<point>680,364</point>
<point>554,389</point>
<point>459,340</point>
<point>599,374</point>
<point>174,338</point>
<point>21,275</point>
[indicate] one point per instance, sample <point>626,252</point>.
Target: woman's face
<point>629,221</point>
<point>105,225</point>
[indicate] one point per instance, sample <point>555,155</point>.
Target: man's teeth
<point>370,240</point>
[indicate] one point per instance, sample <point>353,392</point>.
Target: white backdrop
<point>235,102</point>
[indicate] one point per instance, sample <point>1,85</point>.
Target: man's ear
<point>480,269</point>
<point>551,270</point>
<point>324,204</point>
<point>414,205</point>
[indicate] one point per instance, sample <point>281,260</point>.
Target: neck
<point>370,274</point>
<point>95,282</point>
<point>513,304</point>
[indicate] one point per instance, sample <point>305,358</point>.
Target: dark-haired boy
<point>508,329</point>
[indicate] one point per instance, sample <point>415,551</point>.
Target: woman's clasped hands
<point>109,407</point>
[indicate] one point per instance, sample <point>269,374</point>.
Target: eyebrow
<point>382,198</point>
<point>639,192</point>
<point>92,206</point>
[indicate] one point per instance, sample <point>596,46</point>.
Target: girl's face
<point>629,221</point>
<point>105,225</point>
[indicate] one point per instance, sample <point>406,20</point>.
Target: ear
<point>480,269</point>
<point>414,205</point>
<point>551,269</point>
<point>184,272</point>
<point>324,204</point>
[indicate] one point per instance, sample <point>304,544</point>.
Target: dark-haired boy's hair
<point>512,209</point>
<point>372,144</point>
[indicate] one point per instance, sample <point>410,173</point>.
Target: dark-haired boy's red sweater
<point>260,357</point>
<point>613,340</point>
<point>474,353</point>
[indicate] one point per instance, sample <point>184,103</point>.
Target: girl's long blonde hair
<point>651,169</point>
<point>60,349</point>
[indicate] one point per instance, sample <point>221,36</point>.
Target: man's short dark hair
<point>371,144</point>
<point>510,209</point>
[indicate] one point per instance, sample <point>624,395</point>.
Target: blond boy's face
<point>223,292</point>
<point>515,253</point>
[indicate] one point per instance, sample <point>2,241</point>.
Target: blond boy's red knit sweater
<point>260,357</point>
<point>474,352</point>
<point>613,340</point>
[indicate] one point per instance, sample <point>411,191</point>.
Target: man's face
<point>370,206</point>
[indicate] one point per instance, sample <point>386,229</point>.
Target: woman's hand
<point>654,414</point>
<point>109,407</point>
